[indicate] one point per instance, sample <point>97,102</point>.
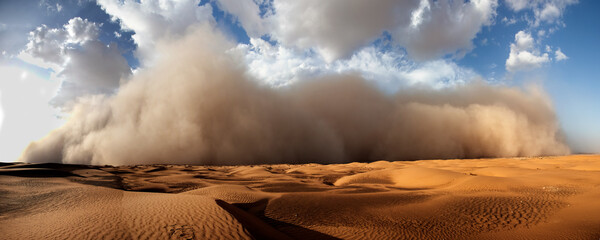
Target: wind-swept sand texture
<point>515,198</point>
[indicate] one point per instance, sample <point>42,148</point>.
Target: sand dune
<point>514,198</point>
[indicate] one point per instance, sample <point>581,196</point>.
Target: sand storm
<point>199,106</point>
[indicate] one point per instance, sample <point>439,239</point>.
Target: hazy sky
<point>56,51</point>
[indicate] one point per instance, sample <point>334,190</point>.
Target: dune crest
<point>408,177</point>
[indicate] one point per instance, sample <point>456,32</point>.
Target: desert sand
<point>503,198</point>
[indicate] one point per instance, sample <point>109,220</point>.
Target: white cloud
<point>523,54</point>
<point>446,28</point>
<point>312,38</point>
<point>517,5</point>
<point>549,11</point>
<point>525,60</point>
<point>155,19</point>
<point>276,65</point>
<point>248,14</point>
<point>47,44</point>
<point>82,63</point>
<point>392,70</point>
<point>523,41</point>
<point>81,30</point>
<point>95,68</point>
<point>559,55</point>
<point>50,44</point>
<point>337,29</point>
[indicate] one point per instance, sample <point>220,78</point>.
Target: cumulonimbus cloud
<point>197,105</point>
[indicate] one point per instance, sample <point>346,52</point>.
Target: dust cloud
<point>196,105</point>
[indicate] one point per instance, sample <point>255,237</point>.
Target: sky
<point>56,52</point>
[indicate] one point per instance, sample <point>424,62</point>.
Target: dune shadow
<point>36,172</point>
<point>2,164</point>
<point>251,216</point>
<point>56,166</point>
<point>41,170</point>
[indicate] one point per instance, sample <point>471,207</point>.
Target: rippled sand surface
<point>513,198</point>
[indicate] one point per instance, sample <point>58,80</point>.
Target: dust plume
<point>196,105</point>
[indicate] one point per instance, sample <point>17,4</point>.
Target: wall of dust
<point>196,105</point>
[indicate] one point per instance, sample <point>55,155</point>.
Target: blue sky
<point>505,42</point>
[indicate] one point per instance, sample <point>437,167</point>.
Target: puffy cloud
<point>275,65</point>
<point>523,54</point>
<point>153,20</point>
<point>559,55</point>
<point>50,44</point>
<point>445,27</point>
<point>523,40</point>
<point>390,69</point>
<point>338,28</point>
<point>83,63</point>
<point>95,68</point>
<point>47,44</point>
<point>525,60</point>
<point>81,30</point>
<point>548,11</point>
<point>315,39</point>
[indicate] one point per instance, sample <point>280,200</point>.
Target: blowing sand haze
<point>196,106</point>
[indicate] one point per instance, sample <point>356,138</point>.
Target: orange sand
<point>515,198</point>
